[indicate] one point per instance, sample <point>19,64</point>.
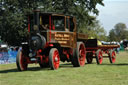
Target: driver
<point>44,26</point>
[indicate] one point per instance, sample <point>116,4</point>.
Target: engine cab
<point>49,29</point>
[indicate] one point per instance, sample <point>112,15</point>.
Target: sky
<point>114,11</point>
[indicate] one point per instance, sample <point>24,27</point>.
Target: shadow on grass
<point>62,65</point>
<point>119,64</point>
<point>65,65</point>
<point>29,69</point>
<point>9,71</point>
<point>70,65</point>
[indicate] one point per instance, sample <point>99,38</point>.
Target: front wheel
<point>54,59</point>
<point>21,61</point>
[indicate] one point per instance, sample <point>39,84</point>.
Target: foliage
<point>95,30</point>
<point>13,14</point>
<point>120,32</point>
<point>12,23</point>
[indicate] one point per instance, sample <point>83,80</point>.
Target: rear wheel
<point>112,56</point>
<point>79,55</point>
<point>89,57</point>
<point>54,59</point>
<point>21,61</point>
<point>99,57</point>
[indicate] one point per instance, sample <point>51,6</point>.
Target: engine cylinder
<point>37,42</point>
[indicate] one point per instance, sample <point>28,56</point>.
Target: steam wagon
<point>54,38</point>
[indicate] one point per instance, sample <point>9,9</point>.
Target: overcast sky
<point>113,12</point>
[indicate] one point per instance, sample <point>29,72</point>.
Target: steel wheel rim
<point>113,57</point>
<point>82,55</point>
<point>56,59</point>
<point>100,57</point>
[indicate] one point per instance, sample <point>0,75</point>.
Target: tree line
<point>13,20</point>
<point>119,32</point>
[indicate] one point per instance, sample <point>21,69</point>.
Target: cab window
<point>58,23</point>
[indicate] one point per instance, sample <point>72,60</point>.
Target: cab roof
<point>49,13</point>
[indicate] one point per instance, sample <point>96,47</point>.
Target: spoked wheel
<point>79,55</point>
<point>21,61</point>
<point>112,56</point>
<point>54,59</point>
<point>99,57</point>
<point>89,58</point>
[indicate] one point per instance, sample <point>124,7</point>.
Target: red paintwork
<point>71,51</point>
<point>40,50</point>
<point>94,49</point>
<point>82,55</point>
<point>100,57</point>
<point>56,59</point>
<point>43,58</point>
<point>51,45</point>
<point>66,53</point>
<point>50,28</point>
<point>53,27</point>
<point>113,57</point>
<point>105,50</point>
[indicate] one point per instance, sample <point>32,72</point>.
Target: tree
<point>81,9</point>
<point>13,18</point>
<point>12,23</point>
<point>120,32</point>
<point>95,30</point>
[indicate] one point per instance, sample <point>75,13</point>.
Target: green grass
<point>90,74</point>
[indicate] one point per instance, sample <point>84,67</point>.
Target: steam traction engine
<point>54,38</point>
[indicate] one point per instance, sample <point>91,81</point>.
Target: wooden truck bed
<point>91,44</point>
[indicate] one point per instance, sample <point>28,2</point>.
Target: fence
<point>8,57</point>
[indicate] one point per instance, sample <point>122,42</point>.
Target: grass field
<point>90,74</point>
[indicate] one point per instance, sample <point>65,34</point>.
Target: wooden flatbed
<point>93,50</point>
<point>103,47</point>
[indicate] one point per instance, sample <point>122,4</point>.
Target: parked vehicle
<point>54,38</point>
